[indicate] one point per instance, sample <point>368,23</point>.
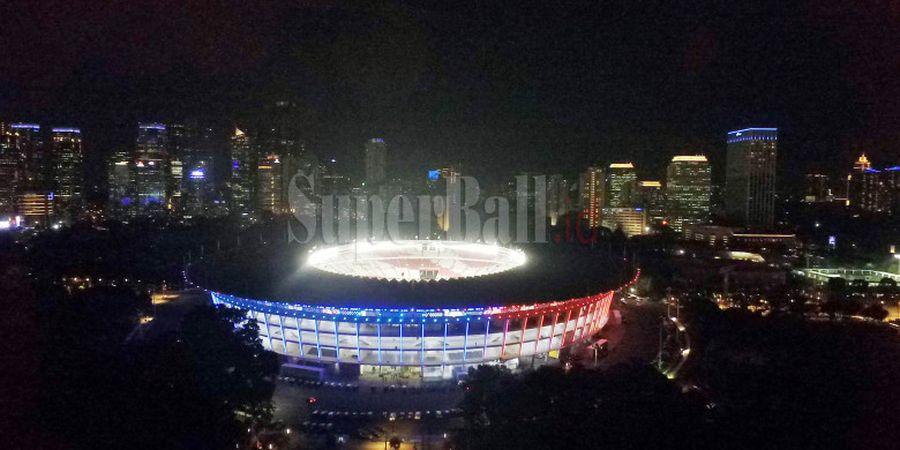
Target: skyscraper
<point>651,197</point>
<point>558,202</point>
<point>687,190</point>
<point>632,221</point>
<point>376,159</point>
<point>243,168</point>
<point>270,184</point>
<point>120,182</point>
<point>68,166</point>
<point>176,143</point>
<point>37,165</point>
<point>816,189</point>
<point>593,188</point>
<point>620,186</point>
<point>855,182</point>
<point>150,161</point>
<point>11,165</point>
<point>750,176</point>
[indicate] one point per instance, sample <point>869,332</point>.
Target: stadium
<point>419,309</point>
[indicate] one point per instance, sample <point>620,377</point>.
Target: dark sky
<point>496,87</point>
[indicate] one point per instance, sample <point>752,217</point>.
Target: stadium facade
<point>430,342</point>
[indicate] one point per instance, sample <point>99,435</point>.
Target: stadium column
<point>299,319</point>
<point>444,355</point>
<point>587,320</point>
<point>553,330</point>
<point>422,348</point>
<point>318,341</point>
<point>522,337</point>
<point>337,344</point>
<point>466,342</point>
<point>400,325</point>
<point>378,327</point>
<point>358,352</point>
<point>537,342</point>
<point>505,333</point>
<point>283,336</point>
<point>575,329</point>
<point>268,331</point>
<point>487,330</point>
<point>562,343</point>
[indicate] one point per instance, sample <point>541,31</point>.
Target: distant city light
<point>66,130</point>
<point>198,174</point>
<point>434,174</point>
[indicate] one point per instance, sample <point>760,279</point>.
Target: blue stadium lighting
<point>28,126</point>
<point>152,126</point>
<point>66,130</point>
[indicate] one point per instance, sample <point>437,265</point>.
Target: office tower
<point>331,181</point>
<point>872,192</point>
<point>11,169</point>
<point>120,182</point>
<point>558,201</point>
<point>750,176</point>
<point>150,161</point>
<point>856,182</point>
<point>37,208</point>
<point>176,143</point>
<point>687,190</point>
<point>592,189</point>
<point>632,221</point>
<point>37,168</point>
<point>376,159</point>
<point>174,185</point>
<point>621,180</point>
<point>68,165</point>
<point>270,184</point>
<point>652,198</point>
<point>243,169</point>
<point>891,180</point>
<point>280,133</point>
<point>816,189</point>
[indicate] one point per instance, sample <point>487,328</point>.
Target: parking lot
<point>356,414</point>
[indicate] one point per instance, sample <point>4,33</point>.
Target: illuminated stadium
<point>426,309</point>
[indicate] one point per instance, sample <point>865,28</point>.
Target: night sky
<point>497,88</point>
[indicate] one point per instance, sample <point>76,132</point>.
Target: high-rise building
<point>592,194</point>
<point>11,169</point>
<point>558,200</point>
<point>120,182</point>
<point>817,188</point>
<point>652,198</point>
<point>177,136</point>
<point>750,176</point>
<point>68,166</point>
<point>37,169</point>
<point>270,184</point>
<point>150,161</point>
<point>376,160</point>
<point>688,185</point>
<point>632,221</point>
<point>37,208</point>
<point>620,186</point>
<point>243,170</point>
<point>856,183</point>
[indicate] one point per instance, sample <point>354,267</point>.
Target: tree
<point>875,311</point>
